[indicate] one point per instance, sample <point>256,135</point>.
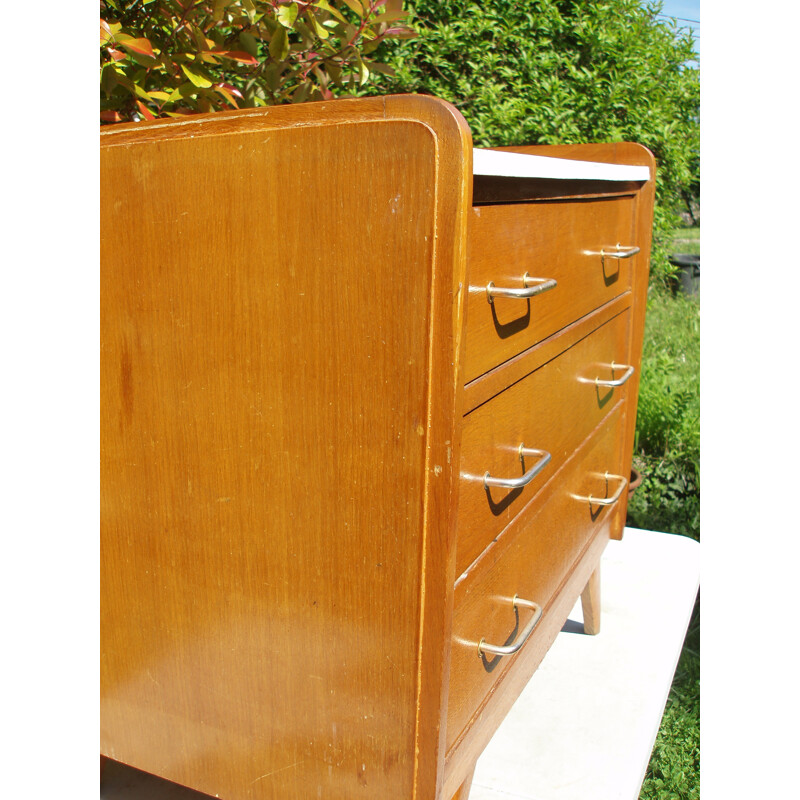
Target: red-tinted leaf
<point>110,116</point>
<point>143,108</point>
<point>238,55</point>
<point>400,33</point>
<point>221,90</point>
<point>117,55</point>
<point>233,90</point>
<point>105,32</point>
<point>142,46</point>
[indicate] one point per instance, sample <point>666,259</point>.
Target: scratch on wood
<point>282,769</point>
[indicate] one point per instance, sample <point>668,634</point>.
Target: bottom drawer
<point>530,561</point>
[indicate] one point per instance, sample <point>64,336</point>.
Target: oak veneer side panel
<point>249,120</point>
<point>449,307</point>
<point>266,437</point>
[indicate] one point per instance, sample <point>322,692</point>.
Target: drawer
<point>533,561</point>
<point>559,241</point>
<point>551,410</point>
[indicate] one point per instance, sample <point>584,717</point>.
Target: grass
<point>668,454</point>
<point>686,240</point>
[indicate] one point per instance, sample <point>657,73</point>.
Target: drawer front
<point>552,410</point>
<point>532,563</point>
<point>559,241</point>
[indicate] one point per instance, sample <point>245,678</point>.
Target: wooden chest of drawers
<point>367,419</point>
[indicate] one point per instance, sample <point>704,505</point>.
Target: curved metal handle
<point>544,285</point>
<point>524,480</point>
<point>620,252</point>
<point>609,501</point>
<point>629,370</point>
<point>507,650</point>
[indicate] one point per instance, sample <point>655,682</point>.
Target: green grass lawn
<point>668,454</point>
<point>686,240</point>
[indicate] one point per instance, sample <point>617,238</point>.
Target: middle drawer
<point>547,413</point>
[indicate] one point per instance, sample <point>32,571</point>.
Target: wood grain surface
<point>552,409</point>
<point>275,483</point>
<point>286,316</point>
<point>634,154</point>
<point>532,560</point>
<point>559,241</point>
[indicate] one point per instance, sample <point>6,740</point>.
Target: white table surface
<point>584,726</point>
<point>521,165</point>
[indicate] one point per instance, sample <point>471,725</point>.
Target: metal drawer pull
<point>524,480</point>
<point>619,381</point>
<point>498,650</point>
<point>544,285</point>
<point>609,501</point>
<point>620,252</point>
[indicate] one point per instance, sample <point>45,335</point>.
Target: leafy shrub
<point>668,420</point>
<point>674,769</point>
<point>667,448</point>
<point>560,71</point>
<point>172,57</point>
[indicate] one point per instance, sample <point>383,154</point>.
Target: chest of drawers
<point>367,414</point>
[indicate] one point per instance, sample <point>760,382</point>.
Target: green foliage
<point>674,770</point>
<point>668,455</point>
<point>667,448</point>
<point>173,57</point>
<point>668,422</point>
<point>686,240</point>
<point>562,71</point>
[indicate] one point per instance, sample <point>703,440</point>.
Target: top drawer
<point>561,240</point>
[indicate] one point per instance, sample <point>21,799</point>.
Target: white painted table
<point>585,724</point>
<point>502,163</point>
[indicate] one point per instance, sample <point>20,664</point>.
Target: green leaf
<point>389,16</point>
<point>355,6</point>
<point>318,29</point>
<point>326,6</point>
<point>279,45</point>
<point>249,44</point>
<point>185,90</point>
<point>197,78</point>
<point>363,72</point>
<point>287,15</point>
<point>219,7</point>
<point>108,79</point>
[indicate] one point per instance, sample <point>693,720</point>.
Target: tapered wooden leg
<point>463,790</point>
<point>590,602</point>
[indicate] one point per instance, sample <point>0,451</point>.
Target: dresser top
<point>519,165</point>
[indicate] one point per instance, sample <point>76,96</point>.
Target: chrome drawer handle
<point>606,501</point>
<point>620,252</point>
<point>524,480</point>
<point>619,381</point>
<point>544,285</point>
<point>507,650</point>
